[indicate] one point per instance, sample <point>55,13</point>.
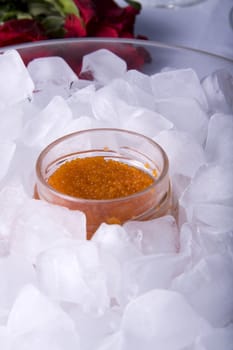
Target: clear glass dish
<point>147,56</point>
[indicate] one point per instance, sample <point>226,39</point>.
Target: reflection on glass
<point>169,3</point>
<point>231,18</point>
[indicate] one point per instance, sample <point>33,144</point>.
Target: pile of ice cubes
<point>158,284</point>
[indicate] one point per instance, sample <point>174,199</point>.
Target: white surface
<point>204,26</point>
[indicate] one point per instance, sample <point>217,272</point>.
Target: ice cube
<point>83,123</point>
<point>190,245</point>
<point>221,338</point>
<point>145,122</point>
<point>139,79</point>
<point>15,271</point>
<point>48,125</point>
<point>80,102</point>
<point>7,150</point>
<point>81,84</point>
<point>186,114</point>
<point>11,123</point>
<point>179,184</point>
<point>113,275</point>
<point>111,342</point>
<point>130,93</point>
<point>103,65</point>
<point>28,108</point>
<point>12,197</point>
<point>93,329</point>
<point>5,339</point>
<point>219,143</point>
<point>149,272</point>
<point>22,168</point>
<point>178,83</point>
<point>41,98</point>
<point>154,236</point>
<point>34,311</point>
<point>161,319</point>
<point>215,242</point>
<point>114,240</point>
<point>52,337</point>
<point>184,153</point>
<point>218,88</point>
<point>4,246</point>
<point>213,273</point>
<point>198,243</point>
<point>106,107</point>
<point>48,70</point>
<point>72,271</point>
<point>214,218</point>
<point>211,184</point>
<point>110,108</point>
<point>49,82</point>
<point>39,225</point>
<point>15,84</point>
<point>117,113</point>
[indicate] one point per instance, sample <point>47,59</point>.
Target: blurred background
<point>205,25</point>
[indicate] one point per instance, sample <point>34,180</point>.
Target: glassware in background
<point>169,3</point>
<point>231,18</point>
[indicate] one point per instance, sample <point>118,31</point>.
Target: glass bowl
<point>147,56</point>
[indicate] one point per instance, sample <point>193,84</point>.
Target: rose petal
<point>19,31</point>
<point>74,27</point>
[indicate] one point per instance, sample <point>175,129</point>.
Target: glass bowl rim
<point>45,151</point>
<point>104,40</point>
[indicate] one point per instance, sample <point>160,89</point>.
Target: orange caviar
<point>99,178</point>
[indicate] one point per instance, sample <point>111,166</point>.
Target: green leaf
<point>134,4</point>
<point>53,26</point>
<point>52,7</point>
<point>37,9</point>
<point>7,11</point>
<point>42,8</point>
<point>68,7</point>
<point>12,14</point>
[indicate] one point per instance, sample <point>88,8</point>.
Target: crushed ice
<point>159,284</point>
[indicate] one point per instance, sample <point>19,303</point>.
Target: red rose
<point>106,19</point>
<point>20,31</point>
<point>97,19</point>
<point>74,27</point>
<point>87,9</point>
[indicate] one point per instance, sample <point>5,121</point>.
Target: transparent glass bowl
<point>120,145</point>
<point>147,56</point>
